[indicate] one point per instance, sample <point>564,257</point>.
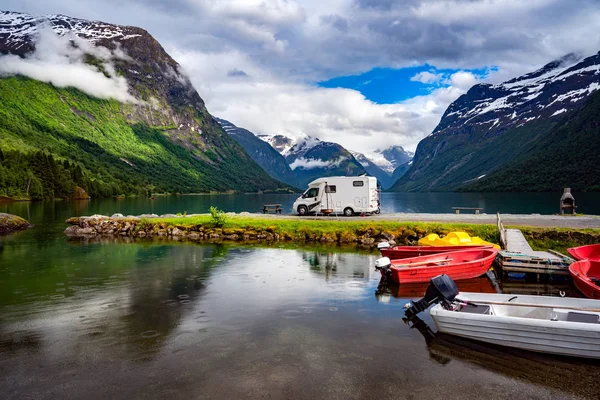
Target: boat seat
<point>480,309</point>
<point>583,317</point>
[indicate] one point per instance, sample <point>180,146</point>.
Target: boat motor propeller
<point>441,289</point>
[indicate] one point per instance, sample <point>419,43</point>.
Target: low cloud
<point>312,163</point>
<point>60,60</point>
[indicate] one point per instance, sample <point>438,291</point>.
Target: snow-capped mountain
<point>281,143</point>
<point>491,125</point>
<point>311,158</point>
<point>556,88</point>
<point>391,158</point>
<point>17,30</point>
<point>261,152</point>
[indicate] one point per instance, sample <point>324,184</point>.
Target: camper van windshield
<point>312,192</point>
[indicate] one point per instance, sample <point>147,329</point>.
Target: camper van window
<point>330,189</point>
<point>312,192</point>
<point>358,183</point>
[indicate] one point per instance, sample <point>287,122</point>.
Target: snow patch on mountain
<point>20,27</point>
<point>281,143</point>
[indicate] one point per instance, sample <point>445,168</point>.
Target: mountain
<point>109,100</point>
<point>310,158</point>
<point>385,164</point>
<point>281,143</point>
<point>400,171</point>
<point>568,156</point>
<point>261,152</point>
<point>391,158</point>
<point>384,177</point>
<point>492,126</point>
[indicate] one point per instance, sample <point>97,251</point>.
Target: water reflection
<point>157,320</point>
<point>388,288</point>
<point>569,376</point>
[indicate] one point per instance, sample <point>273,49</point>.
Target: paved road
<point>550,221</point>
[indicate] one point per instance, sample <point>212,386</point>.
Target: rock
<point>244,213</point>
<point>177,232</point>
<point>148,216</point>
<point>72,230</point>
<point>11,223</point>
<point>97,216</point>
<point>117,215</point>
<point>168,216</point>
<point>388,236</point>
<point>80,194</point>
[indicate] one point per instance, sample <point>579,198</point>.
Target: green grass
<point>304,230</point>
<point>113,144</point>
<point>297,228</point>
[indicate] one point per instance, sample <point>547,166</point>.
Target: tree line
<point>40,176</point>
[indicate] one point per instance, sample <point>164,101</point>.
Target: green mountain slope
<point>132,157</point>
<point>163,139</point>
<point>569,156</point>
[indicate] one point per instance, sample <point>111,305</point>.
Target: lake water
<point>508,203</point>
<point>180,320</point>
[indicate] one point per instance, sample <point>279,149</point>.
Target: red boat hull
<point>400,252</point>
<point>417,290</point>
<point>589,252</point>
<point>582,272</point>
<point>464,264</point>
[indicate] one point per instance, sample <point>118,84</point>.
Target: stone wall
<point>146,226</point>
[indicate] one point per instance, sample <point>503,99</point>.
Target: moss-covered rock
<point>11,223</point>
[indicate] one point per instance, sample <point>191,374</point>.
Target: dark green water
<point>146,319</point>
<point>509,203</point>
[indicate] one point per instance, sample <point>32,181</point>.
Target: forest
<point>39,176</point>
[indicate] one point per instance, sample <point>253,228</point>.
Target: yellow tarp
<point>454,239</point>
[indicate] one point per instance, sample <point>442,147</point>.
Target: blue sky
<point>389,86</point>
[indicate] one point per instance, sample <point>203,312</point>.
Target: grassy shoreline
<point>365,233</point>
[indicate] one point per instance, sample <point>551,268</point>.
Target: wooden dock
<point>518,256</point>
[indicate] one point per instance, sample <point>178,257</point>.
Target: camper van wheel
<point>348,212</point>
<point>378,211</point>
<point>302,210</point>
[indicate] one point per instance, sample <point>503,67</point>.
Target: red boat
<point>589,252</point>
<point>463,264</point>
<point>586,275</point>
<point>417,290</point>
<point>400,252</point>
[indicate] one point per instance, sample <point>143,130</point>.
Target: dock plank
<point>516,243</point>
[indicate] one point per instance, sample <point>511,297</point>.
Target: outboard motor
<point>383,245</point>
<point>384,265</point>
<point>441,289</point>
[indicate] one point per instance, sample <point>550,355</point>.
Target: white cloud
<point>427,77</point>
<point>463,80</point>
<point>56,61</point>
<point>312,163</point>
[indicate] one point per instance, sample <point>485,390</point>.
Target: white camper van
<point>340,194</point>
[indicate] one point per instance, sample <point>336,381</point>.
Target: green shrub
<point>218,217</point>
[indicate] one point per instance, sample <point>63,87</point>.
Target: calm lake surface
<point>152,319</point>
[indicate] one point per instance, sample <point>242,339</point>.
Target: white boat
<point>554,325</point>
